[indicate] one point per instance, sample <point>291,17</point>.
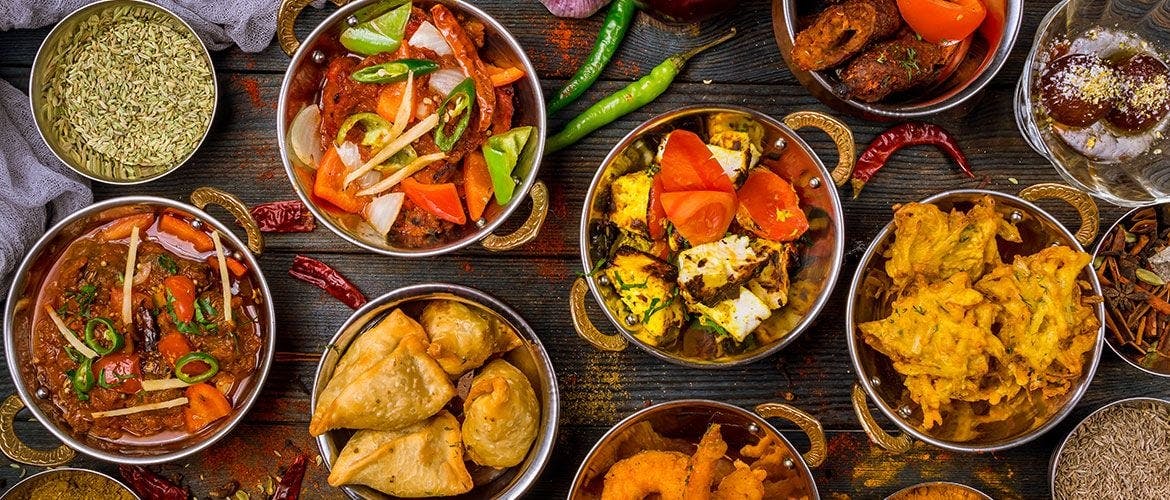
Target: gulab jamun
<point>1143,96</point>
<point>1078,89</point>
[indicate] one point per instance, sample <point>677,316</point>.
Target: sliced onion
<point>372,177</point>
<point>428,37</point>
<point>445,80</point>
<point>350,156</point>
<point>303,136</point>
<point>383,211</point>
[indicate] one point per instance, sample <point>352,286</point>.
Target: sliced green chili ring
<point>196,356</point>
<point>377,129</point>
<point>112,336</point>
<point>394,71</point>
<point>83,379</point>
<point>457,106</point>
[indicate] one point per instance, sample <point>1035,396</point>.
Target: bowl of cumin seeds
<point>123,91</point>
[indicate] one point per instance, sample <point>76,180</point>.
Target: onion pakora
<point>978,340</point>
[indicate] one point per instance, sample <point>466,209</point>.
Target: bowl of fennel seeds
<point>123,91</point>
<point>1121,451</point>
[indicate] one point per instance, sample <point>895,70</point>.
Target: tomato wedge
<point>477,182</point>
<point>442,200</point>
<point>205,404</point>
<point>173,346</point>
<point>182,290</point>
<point>773,206</point>
<point>119,372</point>
<point>656,216</point>
<point>940,21</point>
<point>700,216</point>
<point>328,184</point>
<point>687,165</point>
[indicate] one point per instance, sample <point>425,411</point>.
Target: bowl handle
<point>584,326</point>
<point>896,444</point>
<point>818,447</point>
<point>1086,207</point>
<point>204,196</point>
<point>15,449</point>
<point>286,20</point>
<point>838,131</point>
<point>531,227</point>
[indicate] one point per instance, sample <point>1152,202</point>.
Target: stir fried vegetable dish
<point>698,238</point>
<point>412,135</point>
<point>146,330</point>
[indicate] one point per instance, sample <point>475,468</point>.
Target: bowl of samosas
<point>895,59</point>
<point>975,319</point>
<point>435,390</point>
<point>702,449</point>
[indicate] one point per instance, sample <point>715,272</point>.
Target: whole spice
<point>467,56</point>
<point>900,136</point>
<point>147,484</point>
<point>326,278</point>
<point>289,487</point>
<point>290,216</point>
<point>1137,299</point>
<point>617,23</point>
<point>624,101</point>
<point>1122,451</point>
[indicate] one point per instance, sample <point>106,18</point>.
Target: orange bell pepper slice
<point>442,200</point>
<point>205,404</point>
<point>477,184</point>
<point>328,184</point>
<point>183,230</point>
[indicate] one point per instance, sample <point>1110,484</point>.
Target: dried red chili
<point>326,278</point>
<point>147,484</point>
<point>467,55</point>
<point>899,136</point>
<point>290,216</point>
<point>289,487</point>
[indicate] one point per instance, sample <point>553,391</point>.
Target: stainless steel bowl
<point>817,265</point>
<point>27,486</point>
<point>1056,454</point>
<point>884,385</point>
<point>44,68</point>
<point>531,359</point>
<point>18,327</point>
<point>301,84</point>
<point>688,419</point>
<point>786,18</point>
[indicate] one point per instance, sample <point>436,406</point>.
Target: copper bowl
<point>880,382</point>
<point>27,486</point>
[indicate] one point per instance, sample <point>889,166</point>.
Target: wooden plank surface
<point>598,389</point>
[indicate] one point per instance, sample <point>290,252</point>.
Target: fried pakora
<point>937,245</point>
<point>842,31</point>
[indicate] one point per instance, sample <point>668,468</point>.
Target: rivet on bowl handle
<point>896,444</point>
<point>15,449</point>
<point>584,326</point>
<point>838,131</point>
<point>1086,207</point>
<point>204,196</point>
<point>818,448</point>
<point>531,227</point>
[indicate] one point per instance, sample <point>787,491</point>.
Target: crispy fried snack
<point>893,66</point>
<point>843,31</point>
<point>649,472</point>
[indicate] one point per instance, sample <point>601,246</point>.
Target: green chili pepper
<point>377,129</point>
<point>116,342</point>
<point>394,71</point>
<point>613,30</point>
<point>624,101</point>
<point>456,109</point>
<point>83,379</point>
<point>381,34</point>
<point>213,367</point>
<point>501,153</point>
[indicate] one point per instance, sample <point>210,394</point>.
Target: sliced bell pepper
<point>477,184</point>
<point>173,346</point>
<point>772,206</point>
<point>442,200</point>
<point>205,404</point>
<point>939,21</point>
<point>394,71</point>
<point>501,153</point>
<point>455,115</point>
<point>381,34</point>
<point>234,266</point>
<point>183,230</point>
<point>688,165</point>
<point>700,216</point>
<point>389,99</point>
<point>119,372</point>
<point>182,293</point>
<point>328,184</point>
<point>505,76</point>
<point>377,129</point>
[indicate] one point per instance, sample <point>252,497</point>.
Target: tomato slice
<point>940,21</point>
<point>205,404</point>
<point>442,200</point>
<point>119,372</point>
<point>700,216</point>
<point>656,217</point>
<point>687,165</point>
<point>328,184</point>
<point>773,206</point>
<point>182,289</point>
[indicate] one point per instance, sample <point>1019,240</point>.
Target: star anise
<point>1125,295</point>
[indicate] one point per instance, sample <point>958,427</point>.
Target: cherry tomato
<point>182,290</point>
<point>773,207</point>
<point>687,165</point>
<point>119,372</point>
<point>700,216</point>
<point>940,21</point>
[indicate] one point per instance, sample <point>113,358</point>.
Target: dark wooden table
<point>598,389</point>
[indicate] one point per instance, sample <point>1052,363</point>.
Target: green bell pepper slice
<point>377,129</point>
<point>394,71</point>
<point>502,152</point>
<point>456,109</point>
<point>381,34</point>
